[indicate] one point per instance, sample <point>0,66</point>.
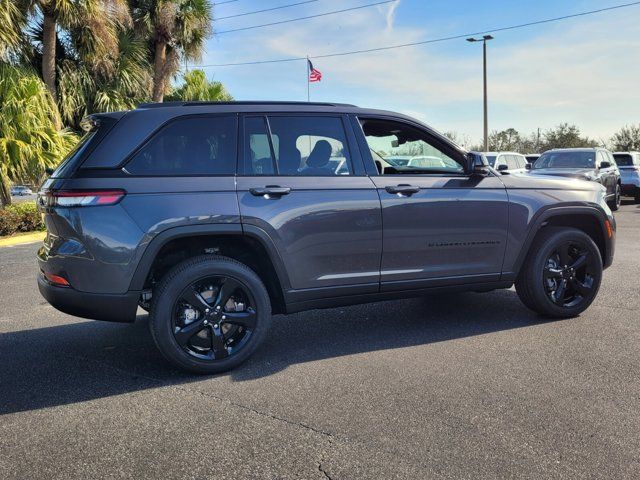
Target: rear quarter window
<point>200,145</point>
<point>86,144</point>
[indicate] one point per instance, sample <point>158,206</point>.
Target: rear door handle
<point>402,189</point>
<point>270,191</point>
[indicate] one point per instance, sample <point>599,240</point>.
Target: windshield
<point>586,159</point>
<point>491,159</point>
<point>623,160</point>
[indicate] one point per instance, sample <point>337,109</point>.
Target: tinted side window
<point>310,146</point>
<point>189,146</point>
<point>258,155</point>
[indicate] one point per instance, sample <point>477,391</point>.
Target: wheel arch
<point>590,220</point>
<point>252,247</point>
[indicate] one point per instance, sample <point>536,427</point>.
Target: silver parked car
<point>629,166</point>
<point>20,190</point>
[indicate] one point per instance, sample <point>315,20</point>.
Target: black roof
<point>242,102</point>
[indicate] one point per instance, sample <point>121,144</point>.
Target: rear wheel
<point>209,314</point>
<point>637,196</point>
<point>614,204</point>
<point>562,274</point>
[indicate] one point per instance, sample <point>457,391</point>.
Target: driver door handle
<point>402,189</point>
<point>270,191</point>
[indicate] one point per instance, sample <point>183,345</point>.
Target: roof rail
<point>243,102</point>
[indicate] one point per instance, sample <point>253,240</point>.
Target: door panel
<point>453,226</point>
<point>328,230</point>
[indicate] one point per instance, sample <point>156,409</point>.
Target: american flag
<point>314,75</point>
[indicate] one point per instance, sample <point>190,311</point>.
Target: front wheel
<point>209,314</point>
<point>614,204</point>
<point>561,275</point>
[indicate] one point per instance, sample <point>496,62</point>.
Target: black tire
<point>637,197</point>
<point>168,300</point>
<point>614,204</point>
<point>539,274</point>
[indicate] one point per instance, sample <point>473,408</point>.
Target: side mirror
<point>502,167</point>
<point>480,170</point>
<point>476,164</point>
<point>528,166</point>
<point>605,164</point>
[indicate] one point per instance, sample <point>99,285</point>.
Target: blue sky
<point>584,71</point>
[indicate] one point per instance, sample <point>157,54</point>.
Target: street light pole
<point>484,40</point>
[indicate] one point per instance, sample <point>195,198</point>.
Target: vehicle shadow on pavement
<point>321,334</point>
<point>78,362</point>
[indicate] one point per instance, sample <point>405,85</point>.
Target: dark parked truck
<point>213,216</point>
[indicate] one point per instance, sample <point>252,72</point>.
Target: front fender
<point>513,262</point>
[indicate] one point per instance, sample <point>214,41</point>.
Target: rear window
<point>624,160</point>
<point>491,159</point>
<point>203,145</point>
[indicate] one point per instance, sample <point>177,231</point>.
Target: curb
<point>22,239</point>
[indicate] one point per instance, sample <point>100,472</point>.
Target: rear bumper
<point>630,189</point>
<point>95,306</point>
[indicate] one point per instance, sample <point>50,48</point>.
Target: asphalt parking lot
<point>463,386</point>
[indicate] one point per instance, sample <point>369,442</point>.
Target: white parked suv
<point>507,162</point>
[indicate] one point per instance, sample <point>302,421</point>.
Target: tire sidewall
<point>539,262</point>
<point>171,287</point>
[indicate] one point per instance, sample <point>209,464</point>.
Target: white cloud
<point>391,15</point>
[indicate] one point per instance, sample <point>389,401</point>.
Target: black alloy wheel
<point>617,198</point>
<point>209,314</point>
<point>214,317</point>
<point>561,274</point>
<point>569,274</point>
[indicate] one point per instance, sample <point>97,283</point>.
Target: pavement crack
<point>322,460</point>
<point>206,394</point>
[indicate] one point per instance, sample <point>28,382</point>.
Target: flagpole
<point>306,69</point>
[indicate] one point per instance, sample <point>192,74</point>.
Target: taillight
<point>80,198</point>
<point>607,224</point>
<point>56,280</point>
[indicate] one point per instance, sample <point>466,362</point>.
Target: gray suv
<point>213,216</point>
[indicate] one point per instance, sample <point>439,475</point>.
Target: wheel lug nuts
<point>206,322</point>
<point>206,310</point>
<point>224,317</point>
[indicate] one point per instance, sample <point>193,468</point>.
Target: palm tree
<point>91,32</point>
<point>197,87</point>
<point>29,138</point>
<point>12,21</point>
<point>175,30</point>
<point>125,84</point>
